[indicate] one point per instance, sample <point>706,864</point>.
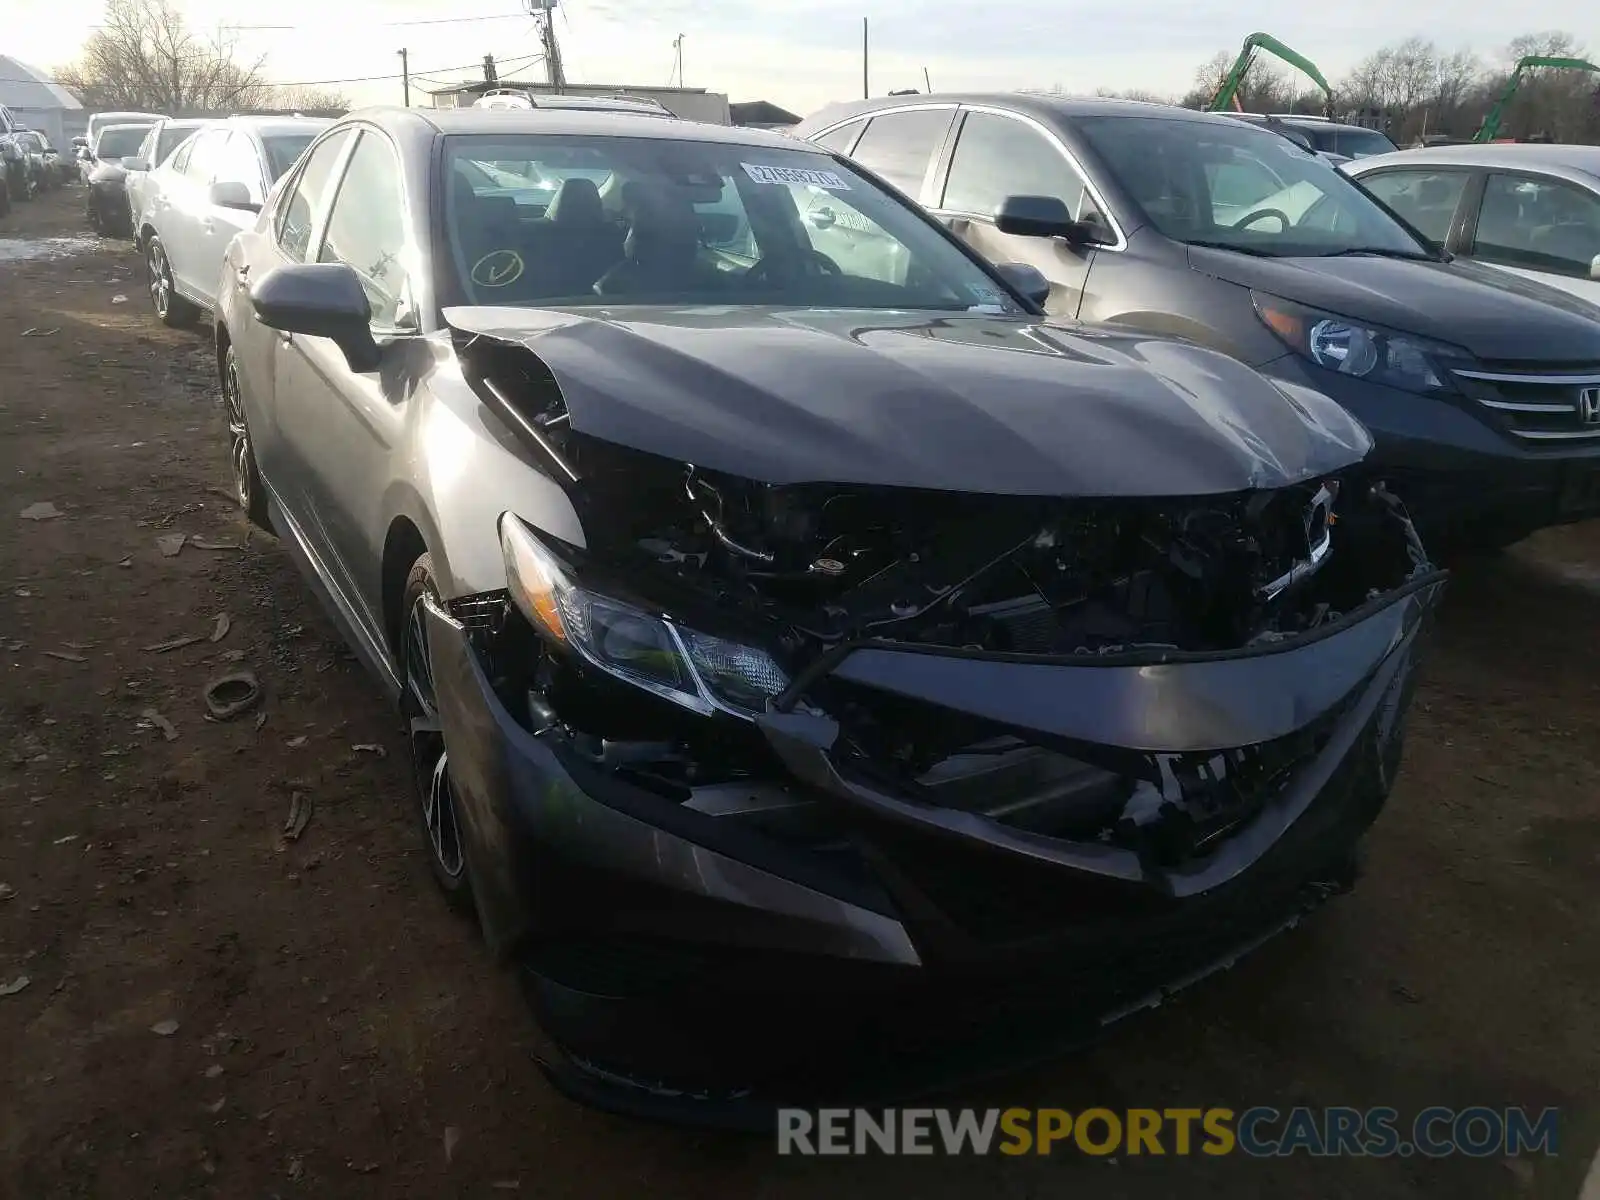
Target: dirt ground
<point>339,1033</point>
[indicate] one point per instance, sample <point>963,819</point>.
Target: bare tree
<point>144,56</point>
<point>309,99</point>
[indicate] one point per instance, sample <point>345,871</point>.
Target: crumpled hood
<point>964,402</point>
<point>1491,313</point>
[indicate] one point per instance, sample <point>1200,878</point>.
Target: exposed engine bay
<point>819,564</point>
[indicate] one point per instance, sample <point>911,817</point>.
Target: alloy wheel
<point>155,260</point>
<point>240,455</point>
<point>429,758</point>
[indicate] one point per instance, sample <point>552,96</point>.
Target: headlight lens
<point>1399,360</point>
<point>694,669</point>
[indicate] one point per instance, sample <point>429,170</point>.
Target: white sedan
<point>1530,209</point>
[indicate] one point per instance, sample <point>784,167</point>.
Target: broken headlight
<point>694,669</point>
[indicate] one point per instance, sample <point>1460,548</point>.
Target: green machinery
<point>1229,91</point>
<point>1490,128</point>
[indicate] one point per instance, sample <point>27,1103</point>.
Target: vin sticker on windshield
<point>821,179</point>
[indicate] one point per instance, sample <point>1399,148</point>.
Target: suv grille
<point>1539,408</point>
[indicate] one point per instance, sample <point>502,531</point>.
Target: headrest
<point>577,202</point>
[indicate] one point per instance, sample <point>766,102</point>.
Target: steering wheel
<point>823,265</point>
<point>1252,217</point>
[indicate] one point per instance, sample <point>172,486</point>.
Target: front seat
<point>660,253</point>
<point>585,243</point>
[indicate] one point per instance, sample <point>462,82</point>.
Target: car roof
<point>276,126</point>
<point>1517,156</point>
<point>105,129</point>
<point>409,122</point>
<point>1040,106</point>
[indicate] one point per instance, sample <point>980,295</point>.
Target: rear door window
<point>998,156</point>
<point>1426,199</point>
<point>1538,223</point>
<point>900,145</point>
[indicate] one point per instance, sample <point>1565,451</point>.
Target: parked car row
<point>1481,389</point>
<point>784,607</point>
<point>956,572</point>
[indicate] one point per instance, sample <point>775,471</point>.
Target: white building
<point>38,103</point>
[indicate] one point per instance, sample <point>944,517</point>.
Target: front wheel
<point>172,308</point>
<point>430,757</point>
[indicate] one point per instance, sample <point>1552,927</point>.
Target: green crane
<point>1491,123</point>
<point>1228,92</point>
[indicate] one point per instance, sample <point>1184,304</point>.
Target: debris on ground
<point>42,511</point>
<point>35,331</point>
<point>207,544</point>
<point>7,892</point>
<point>297,1167</point>
<point>214,1070</point>
<point>177,643</point>
<point>261,719</point>
<point>216,1105</point>
<point>15,986</point>
<point>119,298</point>
<point>295,743</point>
<point>170,543</point>
<point>229,695</point>
<point>168,730</point>
<point>224,623</point>
<point>361,1168</point>
<point>126,562</point>
<point>164,1028</point>
<point>299,817</point>
<point>452,1138</point>
<point>62,841</point>
<point>64,656</point>
<point>370,748</point>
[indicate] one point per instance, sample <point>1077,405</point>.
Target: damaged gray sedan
<point>824,675</point>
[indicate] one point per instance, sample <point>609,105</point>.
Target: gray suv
<point>1477,386</point>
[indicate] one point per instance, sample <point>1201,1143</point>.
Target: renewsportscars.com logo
<point>1260,1132</point>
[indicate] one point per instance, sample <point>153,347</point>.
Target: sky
<point>803,54</point>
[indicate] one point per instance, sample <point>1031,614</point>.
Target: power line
<point>389,24</point>
<point>521,63</point>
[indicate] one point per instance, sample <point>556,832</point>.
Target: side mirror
<point>822,218</point>
<point>321,300</point>
<point>1028,280</point>
<point>1047,216</point>
<point>232,194</point>
<point>1594,267</point>
<point>135,164</point>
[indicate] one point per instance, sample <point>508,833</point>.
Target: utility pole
<point>490,76</point>
<point>405,76</point>
<point>544,12</point>
<point>677,44</point>
<point>926,82</point>
<point>866,92</point>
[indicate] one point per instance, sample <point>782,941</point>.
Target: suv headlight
<point>1399,360</point>
<point>698,671</point>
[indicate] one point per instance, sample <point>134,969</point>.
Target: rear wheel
<point>241,452</point>
<point>172,308</point>
<point>430,758</point>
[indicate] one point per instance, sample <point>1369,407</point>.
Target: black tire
<point>171,308</point>
<point>434,802</point>
<point>247,485</point>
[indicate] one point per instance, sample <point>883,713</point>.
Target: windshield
<point>170,138</point>
<point>579,219</point>
<point>120,143</point>
<point>1226,184</point>
<point>283,149</point>
<point>1359,143</point>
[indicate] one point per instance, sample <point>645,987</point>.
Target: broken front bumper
<point>676,953</point>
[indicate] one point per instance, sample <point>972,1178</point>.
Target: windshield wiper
<point>1250,250</point>
<point>1380,252</point>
